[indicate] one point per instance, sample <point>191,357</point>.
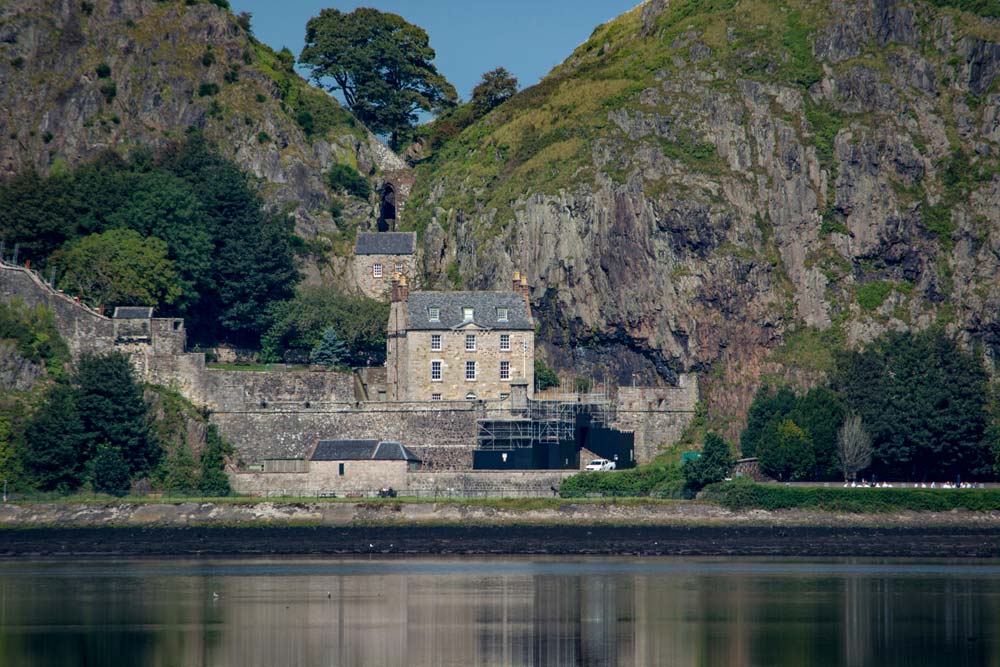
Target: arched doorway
<point>387,215</point>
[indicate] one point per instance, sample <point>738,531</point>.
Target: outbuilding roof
<point>488,308</point>
<point>386,243</point>
<point>133,313</point>
<point>361,450</point>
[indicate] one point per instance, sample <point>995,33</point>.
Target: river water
<point>499,611</point>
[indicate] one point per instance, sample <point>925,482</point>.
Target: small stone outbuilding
<point>378,256</point>
<point>360,465</point>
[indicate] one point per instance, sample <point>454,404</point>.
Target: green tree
<point>785,452</point>
<point>922,399</point>
<point>330,350</point>
<point>113,411</point>
<point>714,464</point>
<point>497,86</point>
<point>820,414</point>
<point>214,481</point>
<point>545,377</point>
<point>298,325</point>
<point>767,407</point>
<point>254,262</point>
<point>118,267</point>
<point>382,66</point>
<point>52,451</point>
<point>110,471</point>
<point>163,206</point>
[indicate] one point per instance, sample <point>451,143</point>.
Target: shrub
<point>103,71</point>
<point>346,178</point>
<point>208,89</point>
<point>545,377</point>
<point>656,481</point>
<point>714,464</point>
<point>746,494</point>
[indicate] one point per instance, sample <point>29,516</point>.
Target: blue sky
<point>527,37</point>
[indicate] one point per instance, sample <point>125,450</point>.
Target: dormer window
<point>501,314</point>
<point>468,314</point>
<point>433,314</point>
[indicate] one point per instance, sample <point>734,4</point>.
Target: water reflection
<point>615,611</point>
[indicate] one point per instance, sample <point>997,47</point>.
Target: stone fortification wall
<point>365,477</point>
<point>85,330</point>
<point>657,415</point>
<point>443,436</point>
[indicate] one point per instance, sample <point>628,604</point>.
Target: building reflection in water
<point>501,612</point>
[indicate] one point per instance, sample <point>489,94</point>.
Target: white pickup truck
<point>601,464</point>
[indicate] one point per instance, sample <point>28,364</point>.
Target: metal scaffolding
<point>542,422</point>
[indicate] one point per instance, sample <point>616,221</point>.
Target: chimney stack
<point>400,290</point>
<point>520,285</point>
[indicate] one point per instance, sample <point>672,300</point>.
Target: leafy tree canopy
<point>119,267</point>
<point>714,464</point>
<point>298,325</point>
<point>498,85</point>
<point>786,451</point>
<point>767,407</point>
<point>381,64</point>
<point>230,257</point>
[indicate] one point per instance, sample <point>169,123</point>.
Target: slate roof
<point>361,450</point>
<point>484,305</point>
<point>133,313</point>
<point>386,243</point>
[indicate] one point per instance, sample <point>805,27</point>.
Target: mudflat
<point>659,540</point>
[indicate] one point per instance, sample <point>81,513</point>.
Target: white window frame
<point>502,314</point>
<point>399,269</point>
<point>470,365</point>
<point>468,314</point>
<point>471,396</point>
<point>377,270</point>
<point>435,397</point>
<point>440,370</point>
<point>505,366</point>
<point>470,342</point>
<point>435,342</point>
<point>505,342</point>
<point>433,314</point>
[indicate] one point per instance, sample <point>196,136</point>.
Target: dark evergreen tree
<point>214,481</point>
<point>767,407</point>
<point>820,414</point>
<point>922,398</point>
<point>113,411</point>
<point>785,451</point>
<point>714,464</point>
<point>110,471</point>
<point>53,450</point>
<point>330,351</point>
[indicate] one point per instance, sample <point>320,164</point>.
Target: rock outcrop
<point>717,189</point>
<point>80,78</point>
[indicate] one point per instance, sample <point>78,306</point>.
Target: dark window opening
<point>341,469</point>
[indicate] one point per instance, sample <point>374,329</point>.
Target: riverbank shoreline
<point>561,540</point>
<point>260,528</point>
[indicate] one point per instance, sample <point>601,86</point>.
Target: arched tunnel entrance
<point>387,215</point>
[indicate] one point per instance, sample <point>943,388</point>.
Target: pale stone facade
<point>380,256</point>
<point>459,345</point>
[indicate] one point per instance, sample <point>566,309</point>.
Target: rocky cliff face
<point>738,188</point>
<point>83,77</point>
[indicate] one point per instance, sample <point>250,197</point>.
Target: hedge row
<point>653,481</point>
<point>745,494</point>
